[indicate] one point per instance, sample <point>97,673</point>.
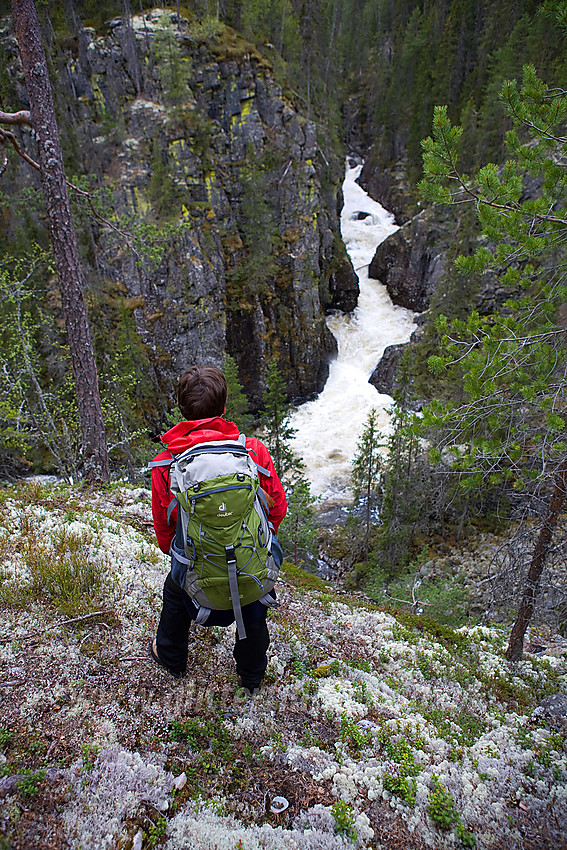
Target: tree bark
<point>63,238</point>
<point>531,587</point>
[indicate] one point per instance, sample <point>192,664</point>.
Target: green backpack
<point>225,554</point>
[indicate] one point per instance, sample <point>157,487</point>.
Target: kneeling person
<point>201,397</point>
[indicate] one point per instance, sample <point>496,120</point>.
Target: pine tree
<point>367,471</point>
<point>298,532</point>
<point>274,417</point>
<point>511,428</point>
<point>63,238</point>
<point>236,402</point>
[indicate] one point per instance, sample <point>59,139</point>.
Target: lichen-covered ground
<point>376,730</point>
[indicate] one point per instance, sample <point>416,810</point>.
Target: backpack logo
<point>223,510</point>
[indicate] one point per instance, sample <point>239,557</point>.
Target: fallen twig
<point>53,746</point>
<point>404,601</point>
<point>56,625</point>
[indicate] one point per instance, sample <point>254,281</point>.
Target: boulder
<point>389,187</point>
<point>384,375</point>
<point>552,711</point>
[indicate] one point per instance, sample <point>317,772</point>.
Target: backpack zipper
<point>196,496</point>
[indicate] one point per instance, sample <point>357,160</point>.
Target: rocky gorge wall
<point>415,263</point>
<point>228,207</point>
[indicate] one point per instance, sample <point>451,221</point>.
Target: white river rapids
<point>328,428</point>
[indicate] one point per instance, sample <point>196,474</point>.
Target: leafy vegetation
<point>444,814</point>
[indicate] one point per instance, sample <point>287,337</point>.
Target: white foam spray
<point>328,428</point>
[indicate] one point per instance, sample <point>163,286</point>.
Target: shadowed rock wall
<point>229,206</point>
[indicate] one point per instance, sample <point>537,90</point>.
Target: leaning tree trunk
<point>63,239</point>
<point>539,557</point>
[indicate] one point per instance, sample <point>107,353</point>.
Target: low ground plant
<point>62,569</point>
<point>442,810</point>
<point>344,819</point>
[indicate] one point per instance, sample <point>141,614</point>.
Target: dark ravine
<point>192,135</point>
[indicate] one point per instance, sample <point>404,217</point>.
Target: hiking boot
<point>177,674</point>
<point>251,692</point>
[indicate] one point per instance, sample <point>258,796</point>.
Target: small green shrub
<point>156,831</point>
<point>6,737</point>
<point>457,727</point>
<point>344,819</point>
<point>400,785</point>
<point>88,755</point>
<point>441,806</point>
<point>205,736</point>
<point>361,694</point>
<point>29,786</point>
<point>360,664</point>
<point>352,735</point>
<point>443,812</point>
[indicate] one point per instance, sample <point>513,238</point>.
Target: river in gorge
<point>328,427</point>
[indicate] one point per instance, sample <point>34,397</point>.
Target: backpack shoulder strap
<point>265,472</point>
<point>170,507</point>
<point>165,462</point>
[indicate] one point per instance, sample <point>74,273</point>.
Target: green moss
<point>303,579</point>
<point>102,108</point>
<point>447,636</point>
<point>246,105</point>
<point>325,670</point>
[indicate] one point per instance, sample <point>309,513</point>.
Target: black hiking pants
<point>173,634</point>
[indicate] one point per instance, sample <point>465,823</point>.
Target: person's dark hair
<point>201,393</point>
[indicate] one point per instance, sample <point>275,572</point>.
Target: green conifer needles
<point>537,147</point>
<point>506,424</point>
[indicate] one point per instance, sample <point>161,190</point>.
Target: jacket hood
<point>188,433</point>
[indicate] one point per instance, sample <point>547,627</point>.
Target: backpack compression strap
<point>234,594</point>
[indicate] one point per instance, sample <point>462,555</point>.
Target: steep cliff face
<point>216,180</point>
<point>411,262</point>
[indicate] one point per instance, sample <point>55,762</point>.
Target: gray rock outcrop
<point>411,262</point>
<point>229,238</point>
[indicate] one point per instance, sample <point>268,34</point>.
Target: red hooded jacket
<point>187,434</point>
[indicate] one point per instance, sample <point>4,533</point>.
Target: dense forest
<point>371,71</point>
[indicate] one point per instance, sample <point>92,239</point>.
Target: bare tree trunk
<point>539,556</point>
<point>330,48</point>
<point>63,238</point>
